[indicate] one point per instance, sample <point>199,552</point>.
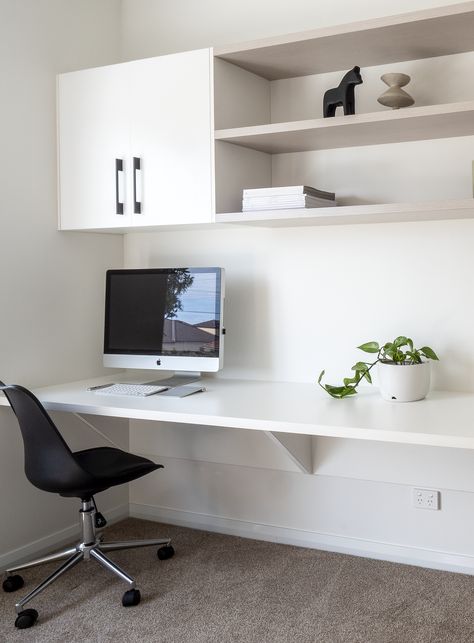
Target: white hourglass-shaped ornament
<point>395,97</point>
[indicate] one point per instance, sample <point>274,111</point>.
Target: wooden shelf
<point>411,36</point>
<point>352,214</point>
<point>394,126</point>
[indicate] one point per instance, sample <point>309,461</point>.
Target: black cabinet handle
<point>137,166</point>
<point>118,202</point>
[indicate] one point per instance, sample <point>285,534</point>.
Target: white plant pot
<point>404,382</point>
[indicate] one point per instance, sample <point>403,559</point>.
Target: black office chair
<point>51,466</point>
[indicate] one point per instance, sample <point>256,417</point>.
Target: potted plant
<point>403,372</point>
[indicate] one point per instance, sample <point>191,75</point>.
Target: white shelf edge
<point>354,214</point>
<point>347,28</point>
<point>460,116</point>
<point>439,31</point>
<point>340,215</point>
<point>185,227</point>
<point>346,121</point>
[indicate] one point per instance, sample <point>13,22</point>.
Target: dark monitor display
<point>163,312</point>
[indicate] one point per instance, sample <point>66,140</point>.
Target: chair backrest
<point>50,465</point>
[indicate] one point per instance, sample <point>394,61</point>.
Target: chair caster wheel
<point>12,583</point>
<point>25,619</point>
<point>165,552</point>
<point>130,598</point>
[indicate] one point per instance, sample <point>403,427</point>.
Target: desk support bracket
<point>95,429</point>
<point>298,447</point>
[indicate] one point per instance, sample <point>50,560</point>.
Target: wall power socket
<point>427,499</point>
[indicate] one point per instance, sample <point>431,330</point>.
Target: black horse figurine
<point>343,95</point>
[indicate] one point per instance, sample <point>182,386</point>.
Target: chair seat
<point>50,464</point>
<point>109,467</point>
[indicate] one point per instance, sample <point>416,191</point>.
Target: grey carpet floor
<point>223,589</point>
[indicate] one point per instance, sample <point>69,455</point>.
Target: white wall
<point>153,27</point>
<point>301,299</point>
<point>51,284</point>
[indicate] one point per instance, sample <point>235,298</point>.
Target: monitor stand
<point>178,379</point>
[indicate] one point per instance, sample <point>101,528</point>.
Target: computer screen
<point>168,318</point>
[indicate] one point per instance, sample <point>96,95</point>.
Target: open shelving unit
<point>246,141</point>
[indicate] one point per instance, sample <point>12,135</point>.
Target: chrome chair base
<point>90,547</point>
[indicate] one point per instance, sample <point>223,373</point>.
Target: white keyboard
<point>135,390</point>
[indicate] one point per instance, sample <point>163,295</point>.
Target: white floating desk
<point>289,413</point>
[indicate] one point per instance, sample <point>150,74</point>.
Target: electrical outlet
<point>427,499</point>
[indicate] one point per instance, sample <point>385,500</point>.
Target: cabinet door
<point>93,140</point>
<point>171,135</point>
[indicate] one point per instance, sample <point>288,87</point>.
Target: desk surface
<point>444,419</point>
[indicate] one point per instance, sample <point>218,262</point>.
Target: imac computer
<point>168,319</point>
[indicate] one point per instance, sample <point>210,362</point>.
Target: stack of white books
<point>288,197</point>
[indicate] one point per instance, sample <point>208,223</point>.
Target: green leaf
<point>350,380</point>
<point>400,341</point>
<point>429,353</point>
<point>369,347</point>
<point>334,389</point>
<point>340,391</point>
<point>348,390</point>
<point>359,366</point>
<point>321,375</point>
<point>410,343</point>
<point>399,356</point>
<point>368,377</point>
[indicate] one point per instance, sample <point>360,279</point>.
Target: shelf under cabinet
<point>409,124</point>
<point>353,214</point>
<point>411,36</point>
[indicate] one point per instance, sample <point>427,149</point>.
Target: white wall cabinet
<point>136,144</point>
<point>93,132</point>
<point>155,119</point>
